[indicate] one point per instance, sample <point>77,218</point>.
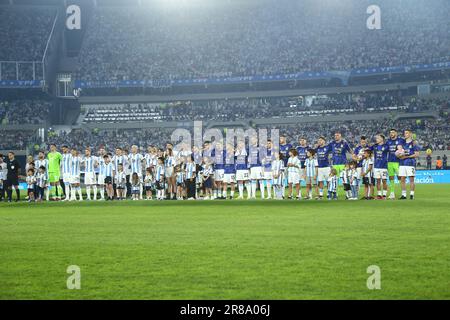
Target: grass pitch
<point>228,249</point>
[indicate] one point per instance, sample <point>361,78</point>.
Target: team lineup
<point>216,170</point>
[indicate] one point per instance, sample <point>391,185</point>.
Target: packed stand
<point>150,42</point>
<point>24,112</point>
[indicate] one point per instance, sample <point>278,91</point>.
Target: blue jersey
<point>241,159</point>
<point>254,158</point>
<point>339,152</point>
<point>267,160</point>
<point>284,150</point>
<point>410,148</point>
<point>322,156</point>
<point>229,165</point>
<point>392,144</point>
<point>219,159</point>
<point>380,154</point>
<point>302,155</point>
<point>359,151</point>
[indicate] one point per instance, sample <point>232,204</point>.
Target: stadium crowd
<point>238,109</point>
<point>259,39</point>
<point>24,32</point>
<point>24,112</point>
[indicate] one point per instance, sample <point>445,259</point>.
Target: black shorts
<point>108,180</point>
<point>347,187</point>
<point>159,185</point>
<point>208,183</point>
<point>368,181</point>
<point>180,184</point>
<point>12,181</point>
<point>148,188</point>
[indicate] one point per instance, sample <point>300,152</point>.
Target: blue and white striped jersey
<point>41,180</point>
<point>180,177</point>
<point>170,161</point>
<point>119,160</point>
<point>108,169</point>
<point>41,163</point>
<point>136,163</point>
<point>332,184</point>
<point>89,164</point>
<point>366,167</point>
<point>310,166</point>
<point>75,169</point>
<point>151,160</point>
<point>66,163</point>
<point>120,178</point>
<point>159,173</point>
<point>345,176</point>
<point>190,170</point>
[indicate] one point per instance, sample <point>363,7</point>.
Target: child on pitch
<point>367,174</point>
<point>42,161</point>
<point>135,186</point>
<point>159,179</point>
<point>190,176</point>
<point>278,176</point>
<point>179,175</point>
<point>121,182</point>
<point>354,180</point>
<point>108,175</point>
<point>207,178</point>
<point>75,173</point>
<point>311,166</point>
<point>148,183</point>
<point>345,178</point>
<point>31,183</point>
<point>41,183</point>
<point>293,169</point>
<point>332,184</point>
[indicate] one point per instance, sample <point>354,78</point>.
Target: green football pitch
<point>255,249</point>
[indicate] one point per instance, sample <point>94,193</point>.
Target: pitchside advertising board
<point>422,177</point>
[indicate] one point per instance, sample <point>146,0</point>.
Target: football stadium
<point>224,150</point>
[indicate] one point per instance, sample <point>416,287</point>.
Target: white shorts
<point>302,174</point>
<point>75,179</point>
<point>218,175</point>
<point>268,175</point>
<point>242,175</point>
<point>379,173</point>
<point>406,171</point>
<point>89,178</point>
<point>323,174</point>
<point>293,177</point>
<point>66,177</point>
<point>101,179</point>
<point>229,178</point>
<point>256,173</point>
<point>168,172</point>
